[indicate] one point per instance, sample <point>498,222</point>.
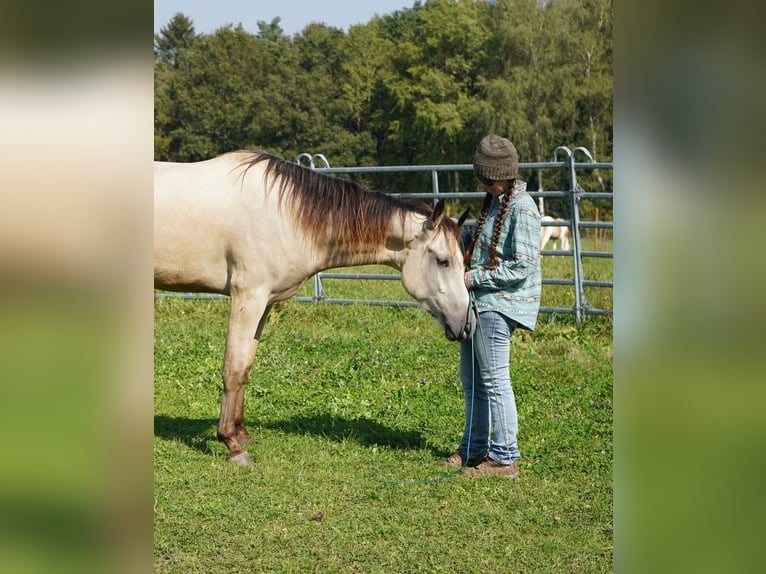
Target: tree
<point>419,86</point>
<point>175,41</point>
<point>209,103</point>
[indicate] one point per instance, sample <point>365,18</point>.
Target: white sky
<point>295,15</point>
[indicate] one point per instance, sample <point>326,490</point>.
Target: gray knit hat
<point>496,159</point>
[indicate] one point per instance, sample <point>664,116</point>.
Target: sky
<point>295,15</point>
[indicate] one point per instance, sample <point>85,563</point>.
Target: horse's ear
<point>462,218</point>
<point>436,216</point>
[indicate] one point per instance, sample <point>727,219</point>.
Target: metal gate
<point>575,193</point>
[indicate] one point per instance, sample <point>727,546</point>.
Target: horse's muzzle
<point>468,328</point>
<point>465,332</point>
<point>463,335</point>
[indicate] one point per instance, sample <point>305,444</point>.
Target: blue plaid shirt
<point>514,287</point>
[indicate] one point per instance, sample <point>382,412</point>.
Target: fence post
<point>318,290</point>
<point>319,294</point>
<point>576,189</point>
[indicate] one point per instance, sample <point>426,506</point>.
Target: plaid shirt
<point>513,288</point>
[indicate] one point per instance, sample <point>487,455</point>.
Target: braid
<point>479,225</point>
<point>497,229</point>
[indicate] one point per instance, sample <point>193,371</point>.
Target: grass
<point>351,407</point>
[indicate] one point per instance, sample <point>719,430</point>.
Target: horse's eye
<point>442,262</point>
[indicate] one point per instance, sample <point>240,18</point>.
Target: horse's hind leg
<point>245,324</point>
<point>565,239</point>
<point>545,236</point>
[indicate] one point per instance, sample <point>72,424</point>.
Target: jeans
<point>490,406</point>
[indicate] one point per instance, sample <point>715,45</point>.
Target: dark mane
<point>335,210</point>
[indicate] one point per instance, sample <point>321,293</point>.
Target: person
<point>504,278</point>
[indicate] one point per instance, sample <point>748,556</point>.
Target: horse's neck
<point>393,252</point>
<point>402,231</point>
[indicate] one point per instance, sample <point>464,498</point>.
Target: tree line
<point>419,86</point>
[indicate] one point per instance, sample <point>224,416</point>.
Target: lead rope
<point>475,329</point>
<point>472,320</point>
<point>493,397</point>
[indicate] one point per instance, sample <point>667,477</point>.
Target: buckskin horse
<point>255,227</point>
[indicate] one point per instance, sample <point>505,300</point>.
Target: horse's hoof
<point>242,459</point>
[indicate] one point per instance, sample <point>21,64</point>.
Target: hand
<point>465,280</point>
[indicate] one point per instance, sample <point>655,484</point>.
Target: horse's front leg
<point>246,321</point>
<point>239,411</point>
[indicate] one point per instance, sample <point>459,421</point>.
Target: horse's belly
<point>189,265</point>
<point>282,293</point>
<point>184,280</point>
<point>194,278</point>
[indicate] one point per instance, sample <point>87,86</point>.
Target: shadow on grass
<point>362,430</point>
<point>196,433</point>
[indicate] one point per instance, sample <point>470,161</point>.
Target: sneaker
<point>489,466</point>
<point>454,461</point>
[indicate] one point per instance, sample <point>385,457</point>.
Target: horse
<point>559,234</point>
<point>255,227</point>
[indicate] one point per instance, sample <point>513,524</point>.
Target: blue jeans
<point>490,406</point>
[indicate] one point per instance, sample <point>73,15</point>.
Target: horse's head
<point>432,273</point>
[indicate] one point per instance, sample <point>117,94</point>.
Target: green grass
<point>351,408</point>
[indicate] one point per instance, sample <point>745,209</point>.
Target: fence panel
<point>573,196</point>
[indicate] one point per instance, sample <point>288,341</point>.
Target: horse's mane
<point>335,210</point>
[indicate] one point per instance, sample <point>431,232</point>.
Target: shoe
<point>454,461</point>
<point>457,460</point>
<point>488,467</point>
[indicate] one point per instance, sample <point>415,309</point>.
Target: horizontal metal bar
<point>597,254</point>
<point>377,303</point>
<point>443,195</point>
<point>178,295</point>
<point>570,253</point>
<point>549,193</point>
<point>458,167</point>
<point>382,276</point>
<point>481,194</point>
<point>571,311</point>
<point>605,284</point>
<point>602,312</point>
<point>559,310</point>
<point>569,282</point>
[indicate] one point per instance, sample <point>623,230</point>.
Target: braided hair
<point>497,228</point>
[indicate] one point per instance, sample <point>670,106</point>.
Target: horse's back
<point>198,211</point>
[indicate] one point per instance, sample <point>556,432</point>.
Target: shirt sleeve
<point>519,256</point>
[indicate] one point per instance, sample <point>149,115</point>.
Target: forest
<point>419,86</point>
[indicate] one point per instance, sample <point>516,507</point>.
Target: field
<point>351,408</point>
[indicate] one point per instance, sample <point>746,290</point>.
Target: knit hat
<point>496,159</point>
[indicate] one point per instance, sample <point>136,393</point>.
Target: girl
<point>503,275</point>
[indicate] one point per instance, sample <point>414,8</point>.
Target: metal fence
<point>573,195</point>
<point>568,164</point>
